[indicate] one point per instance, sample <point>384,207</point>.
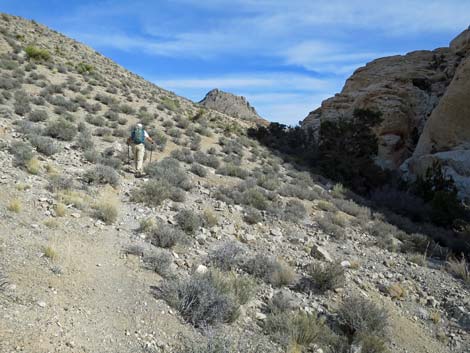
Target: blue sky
<point>284,56</point>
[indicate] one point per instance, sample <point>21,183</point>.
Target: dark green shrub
<point>347,148</point>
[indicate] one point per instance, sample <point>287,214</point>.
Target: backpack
<point>138,136</point>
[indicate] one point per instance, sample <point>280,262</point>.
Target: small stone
<point>260,316</point>
<point>320,253</point>
<point>42,304</point>
<point>345,264</point>
<point>276,232</point>
<point>201,269</point>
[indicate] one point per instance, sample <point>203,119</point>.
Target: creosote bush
<point>37,54</point>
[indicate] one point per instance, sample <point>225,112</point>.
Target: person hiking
<point>137,139</point>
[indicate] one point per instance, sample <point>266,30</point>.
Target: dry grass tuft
<point>60,210</point>
<point>50,253</point>
<point>33,166</point>
<point>14,206</point>
<point>107,207</point>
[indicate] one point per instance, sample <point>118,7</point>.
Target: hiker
<point>137,139</point>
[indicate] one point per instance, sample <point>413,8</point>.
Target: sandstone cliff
<point>423,96</point>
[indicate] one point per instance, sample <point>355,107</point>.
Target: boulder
<point>320,253</point>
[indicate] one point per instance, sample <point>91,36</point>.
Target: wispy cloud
<point>283,55</point>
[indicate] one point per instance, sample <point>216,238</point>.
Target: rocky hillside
<point>221,244</point>
<point>230,104</point>
<point>423,99</point>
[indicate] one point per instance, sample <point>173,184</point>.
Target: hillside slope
<point>222,234</point>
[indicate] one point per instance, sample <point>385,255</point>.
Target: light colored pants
<point>139,151</point>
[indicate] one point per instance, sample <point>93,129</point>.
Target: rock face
<point>423,97</point>
<point>230,104</point>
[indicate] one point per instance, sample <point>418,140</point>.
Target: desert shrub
<point>361,316</point>
<point>182,123</point>
<point>199,170</point>
<point>296,329</point>
<point>166,236</point>
<point>270,270</point>
<point>103,132</point>
<point>61,129</point>
<point>267,181</point>
<point>252,216</point>
<point>353,209</point>
<point>22,104</point>
<point>298,191</point>
<point>233,170</point>
<point>43,144</point>
<point>14,205</point>
<point>38,115</point>
<point>154,192</point>
<point>96,120</point>
<point>231,147</point>
<point>183,155</point>
<point>62,102</point>
<point>323,277</point>
<point>22,153</point>
<point>170,104</point>
<point>36,53</point>
<point>126,109</point>
<point>200,299</point>
<point>209,218</point>
<point>169,170</point>
<point>233,159</point>
<point>206,159</point>
<point>111,115</point>
<point>328,225</point>
<point>255,198</point>
<point>227,256</point>
<point>105,99</point>
<point>59,183</point>
<point>371,344</point>
<point>294,211</point>
<point>106,208</point>
<point>91,155</point>
<point>459,268</point>
<point>160,262</point>
<point>102,174</point>
<point>7,83</point>
<point>189,221</point>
